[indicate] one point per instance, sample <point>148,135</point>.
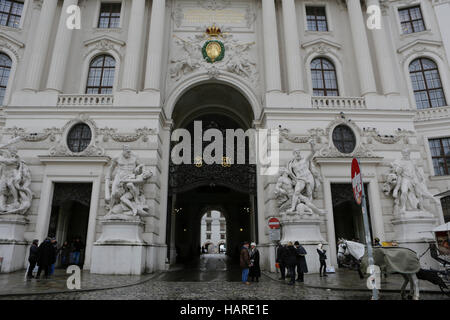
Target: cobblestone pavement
<point>214,278</point>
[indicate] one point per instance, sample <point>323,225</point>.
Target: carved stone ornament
<point>104,43</point>
<point>61,149</point>
<point>296,186</point>
<point>405,182</point>
<point>10,44</point>
<point>189,58</point>
<point>58,136</point>
<point>109,133</point>
<point>15,180</point>
<point>124,195</point>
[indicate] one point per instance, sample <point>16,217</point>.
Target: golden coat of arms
<point>213,50</point>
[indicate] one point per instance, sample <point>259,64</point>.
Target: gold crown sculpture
<point>213,31</point>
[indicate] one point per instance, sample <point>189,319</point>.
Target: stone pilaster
<point>361,47</point>
<point>291,39</point>
<point>384,57</point>
<point>40,45</point>
<point>155,46</point>
<point>134,46</point>
<point>271,53</point>
<point>61,49</point>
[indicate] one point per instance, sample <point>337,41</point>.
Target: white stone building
<point>213,232</point>
<point>135,71</point>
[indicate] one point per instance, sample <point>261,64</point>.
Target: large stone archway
<point>192,187</point>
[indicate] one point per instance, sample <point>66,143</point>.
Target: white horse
<point>358,251</point>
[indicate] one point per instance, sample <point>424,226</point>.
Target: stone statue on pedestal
<point>15,180</point>
<point>296,186</point>
<point>406,182</point>
<point>125,195</point>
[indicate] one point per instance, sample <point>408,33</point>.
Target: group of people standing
<point>292,257</point>
<point>249,262</point>
<point>46,255</point>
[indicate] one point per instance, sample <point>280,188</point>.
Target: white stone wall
<point>277,96</point>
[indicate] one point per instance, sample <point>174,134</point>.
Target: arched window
<point>426,84</point>
<point>101,75</point>
<point>79,137</point>
<point>5,70</point>
<point>324,79</point>
<point>344,139</point>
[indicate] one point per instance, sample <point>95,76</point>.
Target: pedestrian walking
<point>302,267</point>
<point>322,258</point>
<point>281,260</point>
<point>32,258</point>
<point>46,256</point>
<point>65,254</point>
<point>291,261</point>
<point>77,247</point>
<point>245,262</point>
<point>376,242</point>
<point>255,270</point>
<point>55,247</point>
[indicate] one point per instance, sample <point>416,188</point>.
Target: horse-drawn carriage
<point>403,261</point>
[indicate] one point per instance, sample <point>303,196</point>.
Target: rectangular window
<point>222,236</point>
<point>109,15</point>
<point>208,226</point>
<point>10,13</point>
<point>411,20</point>
<point>440,154</point>
<point>208,236</point>
<point>316,19</point>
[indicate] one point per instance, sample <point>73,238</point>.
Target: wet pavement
<point>212,277</point>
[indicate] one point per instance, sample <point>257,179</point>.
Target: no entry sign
<point>274,223</point>
<point>356,181</point>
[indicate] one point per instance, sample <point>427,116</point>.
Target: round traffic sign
<point>356,181</point>
<point>274,223</point>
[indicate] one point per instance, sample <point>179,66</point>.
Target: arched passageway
<point>199,186</point>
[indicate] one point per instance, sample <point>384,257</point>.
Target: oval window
<point>79,137</point>
<point>344,139</point>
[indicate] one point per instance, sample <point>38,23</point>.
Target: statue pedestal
<point>413,231</point>
<point>13,247</point>
<point>120,249</point>
<point>307,232</point>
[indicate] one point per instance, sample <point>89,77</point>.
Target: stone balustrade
<point>338,102</point>
<point>85,100</point>
<point>432,113</point>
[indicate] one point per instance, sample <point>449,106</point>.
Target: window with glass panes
<point>109,15</point>
<point>324,79</point>
<point>426,83</point>
<point>101,75</point>
<point>445,203</point>
<point>411,20</point>
<point>344,139</point>
<point>440,154</point>
<point>316,19</point>
<point>79,137</point>
<point>5,70</point>
<point>10,13</point>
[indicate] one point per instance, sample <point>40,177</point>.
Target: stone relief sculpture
<point>125,195</point>
<point>15,180</point>
<point>406,183</point>
<point>189,58</point>
<point>296,187</point>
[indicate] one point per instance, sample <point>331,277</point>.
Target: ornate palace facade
<point>90,99</point>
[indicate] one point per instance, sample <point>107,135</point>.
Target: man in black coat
<point>281,260</point>
<point>291,261</point>
<point>32,258</point>
<point>46,257</point>
<point>302,267</point>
